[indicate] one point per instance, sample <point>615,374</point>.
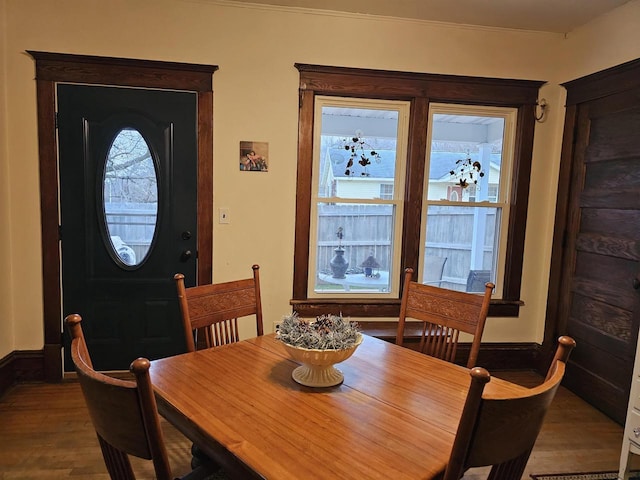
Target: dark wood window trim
<point>419,89</point>
<point>52,68</point>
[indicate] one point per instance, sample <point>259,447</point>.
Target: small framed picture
<point>254,156</point>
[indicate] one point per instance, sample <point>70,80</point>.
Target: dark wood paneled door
<point>599,300</point>
<point>128,197</point>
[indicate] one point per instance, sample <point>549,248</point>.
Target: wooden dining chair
<point>214,309</point>
<point>444,313</point>
<point>500,430</point>
<point>124,414</point>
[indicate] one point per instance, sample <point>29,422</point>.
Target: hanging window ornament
<point>467,171</point>
<point>362,153</point>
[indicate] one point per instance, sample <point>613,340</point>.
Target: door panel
<point>599,305</point>
<point>129,310</point>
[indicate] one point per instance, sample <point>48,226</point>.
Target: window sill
<point>346,307</point>
<point>383,308</point>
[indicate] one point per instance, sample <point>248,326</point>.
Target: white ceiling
<point>559,16</point>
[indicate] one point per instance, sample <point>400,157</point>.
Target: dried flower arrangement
<point>327,332</point>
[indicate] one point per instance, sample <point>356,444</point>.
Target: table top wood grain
<point>394,416</point>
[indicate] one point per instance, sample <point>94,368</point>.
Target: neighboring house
<point>444,186</point>
<point>376,181</point>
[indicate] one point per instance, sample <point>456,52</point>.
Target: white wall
<point>256,98</point>
<point>609,40</point>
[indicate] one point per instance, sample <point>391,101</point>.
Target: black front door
<point>128,194</point>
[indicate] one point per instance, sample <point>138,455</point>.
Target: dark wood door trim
<point>552,323</point>
<point>56,67</point>
<point>607,82</point>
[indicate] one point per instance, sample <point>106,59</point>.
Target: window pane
<point>461,250</point>
<point>130,197</point>
<point>469,162</point>
<point>386,191</point>
<point>465,158</point>
<point>359,164</point>
<point>357,151</point>
<point>354,248</point>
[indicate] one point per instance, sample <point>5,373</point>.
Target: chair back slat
<point>116,461</point>
<point>215,309</point>
<point>445,314</point>
<point>439,341</point>
<point>223,332</point>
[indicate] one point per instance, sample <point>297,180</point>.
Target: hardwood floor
<point>46,433</point>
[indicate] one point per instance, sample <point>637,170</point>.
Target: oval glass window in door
<point>130,196</point>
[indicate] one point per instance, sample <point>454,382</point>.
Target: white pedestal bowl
<point>317,369</point>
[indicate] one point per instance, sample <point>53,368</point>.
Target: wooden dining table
<point>393,417</point>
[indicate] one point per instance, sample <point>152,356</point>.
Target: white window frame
<point>501,204</point>
<point>403,109</point>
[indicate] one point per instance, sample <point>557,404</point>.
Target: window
<point>466,208</point>
<point>130,197</point>
<point>339,203</point>
<point>386,191</point>
<point>359,144</point>
<point>493,193</point>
